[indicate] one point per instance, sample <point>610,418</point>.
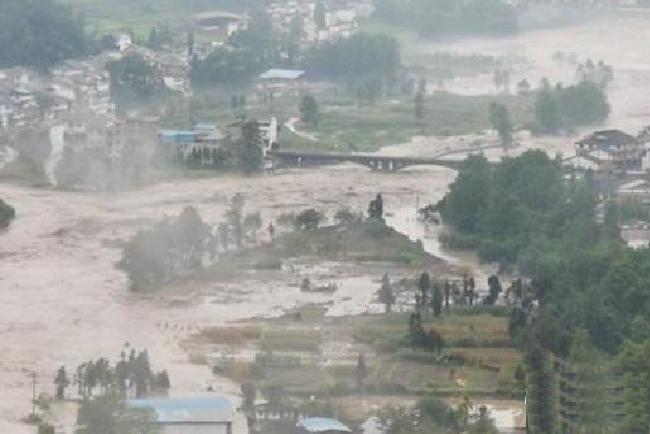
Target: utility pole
<point>33,375</point>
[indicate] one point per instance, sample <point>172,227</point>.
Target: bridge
<point>375,162</point>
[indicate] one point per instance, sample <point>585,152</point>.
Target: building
<point>612,150</point>
<point>321,425</point>
<point>220,25</point>
<point>190,415</point>
<point>201,146</point>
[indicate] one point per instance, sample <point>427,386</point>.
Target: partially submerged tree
<point>7,214</point>
<point>386,295</point>
<point>309,112</point>
<point>308,219</point>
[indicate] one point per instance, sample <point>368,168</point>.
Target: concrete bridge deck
<point>373,161</point>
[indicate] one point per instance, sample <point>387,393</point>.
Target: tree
<point>500,120</point>
<point>39,34</point>
<point>319,14</point>
<point>361,372</point>
<point>424,285</point>
<point>419,105</point>
<point>7,214</point>
<point>494,288</point>
<point>61,381</point>
<point>547,111</point>
<point>250,146</point>
<point>386,295</point>
<point>110,415</point>
<point>541,409</point>
<point>234,217</point>
<point>171,249</point>
<point>361,55</point>
<point>634,363</point>
<point>153,41</point>
<point>308,219</point>
<point>309,112</point>
<point>376,208</point>
<point>132,77</point>
<point>436,299</point>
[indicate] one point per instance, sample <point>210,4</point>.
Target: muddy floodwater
<point>63,301</point>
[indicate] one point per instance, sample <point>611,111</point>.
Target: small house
<point>190,415</point>
<point>321,425</point>
<point>611,149</point>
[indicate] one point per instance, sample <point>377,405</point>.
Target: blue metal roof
<point>323,424</point>
<point>286,74</point>
<point>181,410</point>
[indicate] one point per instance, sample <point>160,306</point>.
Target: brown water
<point>63,301</point>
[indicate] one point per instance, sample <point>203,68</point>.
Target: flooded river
<point>63,301</point>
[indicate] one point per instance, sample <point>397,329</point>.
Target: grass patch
<point>365,129</point>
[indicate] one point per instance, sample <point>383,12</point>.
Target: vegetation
<point>437,18</point>
<point>131,376</point>
<point>109,414</point>
<point>359,55</point>
<point>171,249</point>
<point>309,110</point>
<point>133,78</point>
<point>251,51</point>
<point>7,214</point>
<point>39,33</point>
<point>564,108</point>
<point>589,288</point>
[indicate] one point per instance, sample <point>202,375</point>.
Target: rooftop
<point>284,74</point>
<point>322,424</point>
<point>200,410</point>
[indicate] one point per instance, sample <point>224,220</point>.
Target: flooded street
<point>63,301</point>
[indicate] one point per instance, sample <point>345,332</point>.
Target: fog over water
<point>62,300</point>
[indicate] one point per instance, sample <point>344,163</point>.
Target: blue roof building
<point>190,415</point>
<point>322,425</point>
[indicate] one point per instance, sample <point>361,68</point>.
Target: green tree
<point>319,14</point>
<point>308,219</point>
<point>357,56</point>
<point>309,112</point>
<point>250,146</point>
<point>593,385</point>
<point>39,33</point>
<point>500,120</point>
<point>419,105</point>
<point>132,77</point>
<point>7,214</point>
<point>547,111</point>
<point>634,362</point>
<point>110,415</point>
<point>540,393</point>
<point>386,295</point>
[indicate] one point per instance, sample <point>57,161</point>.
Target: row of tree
<point>437,18</point>
<point>130,376</point>
<point>564,108</point>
